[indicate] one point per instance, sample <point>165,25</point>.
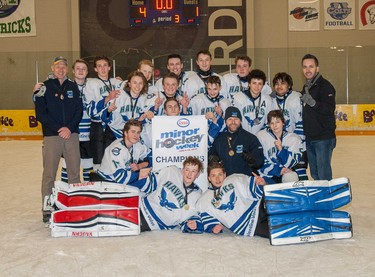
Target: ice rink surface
<point>27,248</point>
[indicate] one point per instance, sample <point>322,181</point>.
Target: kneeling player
<point>125,157</point>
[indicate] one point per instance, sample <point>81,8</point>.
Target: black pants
<point>262,229</point>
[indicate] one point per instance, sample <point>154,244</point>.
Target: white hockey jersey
<point>235,85</point>
<point>127,108</point>
<point>254,111</point>
<point>171,204</point>
<point>115,166</point>
<point>195,85</point>
<point>95,93</point>
<point>236,205</point>
<point>291,106</point>
<point>275,160</point>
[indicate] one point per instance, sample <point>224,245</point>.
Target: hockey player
<point>296,212</point>
<point>80,71</point>
<point>130,104</point>
<point>212,105</point>
<point>58,107</point>
<point>125,157</point>
<point>176,66</point>
<point>171,108</point>
<point>282,150</point>
<point>233,202</point>
<point>155,100</point>
<point>196,83</point>
<point>253,104</point>
<point>99,93</point>
<point>147,68</point>
<point>289,102</point>
<point>239,81</point>
<point>171,198</point>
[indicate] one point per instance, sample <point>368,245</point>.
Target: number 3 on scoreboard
<point>177,18</point>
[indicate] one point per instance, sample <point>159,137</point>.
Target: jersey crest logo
<point>164,201</point>
<point>230,205</point>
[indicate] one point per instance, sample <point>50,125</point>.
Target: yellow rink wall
<point>350,119</point>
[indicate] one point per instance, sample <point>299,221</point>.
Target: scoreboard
<point>164,12</point>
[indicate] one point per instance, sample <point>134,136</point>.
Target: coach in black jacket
<point>239,150</point>
<point>318,115</point>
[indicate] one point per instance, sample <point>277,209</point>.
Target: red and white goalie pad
<point>95,223</point>
<point>94,196</point>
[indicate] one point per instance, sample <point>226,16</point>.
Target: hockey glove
<point>308,100</point>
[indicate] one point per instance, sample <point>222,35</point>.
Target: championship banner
<point>339,15</point>
<point>174,138</point>
<point>17,18</point>
<point>19,123</point>
<point>304,15</point>
<point>366,14</point>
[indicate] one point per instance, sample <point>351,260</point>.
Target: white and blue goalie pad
<point>309,227</point>
<point>307,196</point>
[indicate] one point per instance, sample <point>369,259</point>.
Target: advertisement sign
<point>366,14</point>
<point>304,15</point>
<point>339,15</point>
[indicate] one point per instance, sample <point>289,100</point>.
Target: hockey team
<point>257,137</point>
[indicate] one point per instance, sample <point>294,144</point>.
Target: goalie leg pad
<point>95,223</point>
<point>94,195</point>
<point>309,227</point>
<point>307,196</point>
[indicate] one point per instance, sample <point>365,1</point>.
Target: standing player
<point>129,105</point>
<point>100,93</point>
<point>171,198</point>
<point>176,66</point>
<point>253,104</point>
<point>196,83</point>
<point>282,150</point>
<point>147,68</point>
<point>239,81</point>
<point>80,71</point>
<point>124,158</point>
<point>212,105</point>
<point>58,107</point>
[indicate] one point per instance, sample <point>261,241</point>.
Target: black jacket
<point>59,106</point>
<point>247,152</point>
<point>319,122</point>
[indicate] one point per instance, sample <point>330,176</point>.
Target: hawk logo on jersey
<point>164,201</point>
<point>230,205</point>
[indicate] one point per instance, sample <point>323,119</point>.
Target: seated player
<point>282,150</point>
<point>124,157</point>
<point>233,202</point>
<point>296,212</point>
<point>171,195</point>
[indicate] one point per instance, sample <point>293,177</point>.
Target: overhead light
<point>333,47</point>
<point>340,50</point>
<point>359,46</point>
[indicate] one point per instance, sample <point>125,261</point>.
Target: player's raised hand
<point>144,172</point>
<point>184,101</point>
<point>112,106</point>
<point>278,144</point>
<point>158,101</point>
<point>219,110</point>
<point>112,95</point>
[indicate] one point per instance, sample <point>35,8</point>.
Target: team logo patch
<point>307,13</point>
<point>7,7</point>
<point>69,93</point>
<point>339,10</point>
<point>116,151</point>
<point>239,149</point>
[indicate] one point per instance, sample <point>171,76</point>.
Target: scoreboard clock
<point>164,12</point>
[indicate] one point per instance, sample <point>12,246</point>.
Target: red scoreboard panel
<point>163,12</point>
